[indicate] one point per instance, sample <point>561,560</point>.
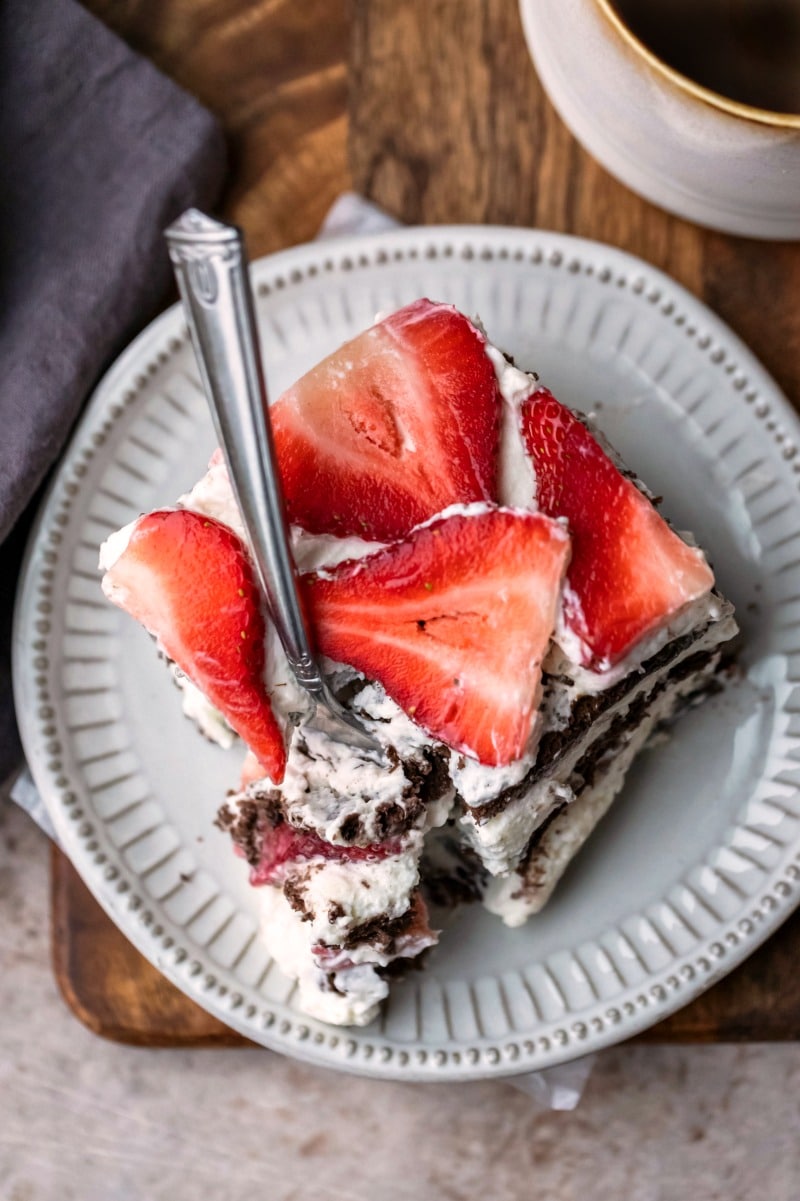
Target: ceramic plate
<point>698,860</point>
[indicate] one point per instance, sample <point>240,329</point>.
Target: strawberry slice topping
<point>454,622</point>
<point>391,428</point>
<point>630,573</point>
<point>283,845</point>
<point>189,581</point>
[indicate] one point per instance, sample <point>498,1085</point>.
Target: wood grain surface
<point>275,73</point>
<point>446,122</point>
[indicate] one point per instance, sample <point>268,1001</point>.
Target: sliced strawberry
<point>284,845</point>
<point>189,581</point>
<point>630,573</point>
<point>454,622</point>
<point>391,428</point>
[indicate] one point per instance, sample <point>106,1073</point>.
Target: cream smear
<point>349,997</point>
<point>517,482</point>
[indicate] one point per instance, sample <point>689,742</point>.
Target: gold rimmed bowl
<point>708,157</point>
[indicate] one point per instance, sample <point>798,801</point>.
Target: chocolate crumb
<point>294,895</point>
<point>351,828</point>
<point>380,931</point>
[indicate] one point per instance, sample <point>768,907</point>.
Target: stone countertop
<point>82,1119</point>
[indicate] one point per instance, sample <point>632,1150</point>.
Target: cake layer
<point>597,778</point>
<point>347,911</point>
<point>343,983</point>
<point>336,889</point>
<point>500,829</point>
<point>343,816</point>
<point>348,997</point>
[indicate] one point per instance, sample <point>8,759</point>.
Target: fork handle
<point>210,265</point>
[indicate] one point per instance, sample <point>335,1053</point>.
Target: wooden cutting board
<point>118,994</point>
<point>446,122</point>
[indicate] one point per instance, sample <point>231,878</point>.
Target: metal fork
<point>210,266</point>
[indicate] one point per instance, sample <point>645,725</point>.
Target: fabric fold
<point>100,152</point>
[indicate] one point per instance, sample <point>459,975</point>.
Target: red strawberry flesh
<point>629,573</point>
<point>454,622</point>
<point>189,581</point>
<point>392,428</point>
<point>284,845</point>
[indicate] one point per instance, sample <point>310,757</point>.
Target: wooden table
<point>445,122</point>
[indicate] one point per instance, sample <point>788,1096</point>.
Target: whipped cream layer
<point>517,481</point>
<point>326,782</point>
<point>567,650</point>
<point>330,927</point>
<point>335,898</point>
<point>501,838</point>
<point>517,895</point>
<point>347,798</point>
<point>347,997</point>
<point>114,546</point>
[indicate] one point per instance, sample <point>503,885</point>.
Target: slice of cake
<point>494,595</point>
<point>333,845</point>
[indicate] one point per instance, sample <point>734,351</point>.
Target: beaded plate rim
<point>115,886</point>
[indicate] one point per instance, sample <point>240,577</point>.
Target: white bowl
<point>706,158</point>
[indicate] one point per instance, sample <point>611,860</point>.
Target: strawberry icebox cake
<point>492,592</point>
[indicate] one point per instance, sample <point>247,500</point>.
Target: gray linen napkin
<point>99,152</point>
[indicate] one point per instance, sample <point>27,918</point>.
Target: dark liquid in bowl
<point>746,50</point>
